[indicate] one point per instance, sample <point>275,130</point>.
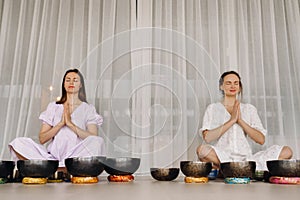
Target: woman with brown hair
<point>229,124</point>
<point>69,127</point>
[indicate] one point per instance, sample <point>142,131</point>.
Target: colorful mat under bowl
<point>30,180</point>
<point>237,180</point>
<point>120,178</point>
<point>284,180</point>
<point>84,180</point>
<point>189,179</point>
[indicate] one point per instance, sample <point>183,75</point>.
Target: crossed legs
<point>207,154</point>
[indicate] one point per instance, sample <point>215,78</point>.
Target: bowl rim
<point>7,161</point>
<point>164,168</point>
<point>237,162</point>
<point>36,160</point>
<point>195,162</point>
<point>284,161</point>
<point>85,158</point>
<point>125,158</point>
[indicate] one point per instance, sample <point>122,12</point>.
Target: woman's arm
<point>91,130</point>
<point>253,133</point>
<point>214,134</point>
<point>47,132</point>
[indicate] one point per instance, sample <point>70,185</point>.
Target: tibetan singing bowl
<point>37,168</point>
<point>195,168</point>
<point>121,165</point>
<point>284,168</point>
<point>244,169</point>
<point>85,166</point>
<point>164,174</point>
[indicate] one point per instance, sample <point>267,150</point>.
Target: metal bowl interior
<point>37,168</point>
<point>164,174</point>
<point>195,168</point>
<point>85,166</point>
<point>6,168</point>
<point>122,165</point>
<point>284,168</point>
<point>244,169</point>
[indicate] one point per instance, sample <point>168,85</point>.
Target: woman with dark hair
<point>228,125</point>
<point>69,127</point>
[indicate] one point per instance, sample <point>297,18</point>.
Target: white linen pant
<point>29,149</point>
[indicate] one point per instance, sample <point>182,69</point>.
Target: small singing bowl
<point>164,174</point>
<point>195,168</point>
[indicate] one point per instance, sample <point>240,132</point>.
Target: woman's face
<point>231,85</point>
<point>72,82</point>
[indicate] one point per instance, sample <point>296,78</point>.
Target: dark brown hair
<point>81,93</point>
<point>221,81</point>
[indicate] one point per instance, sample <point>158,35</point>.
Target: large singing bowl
<point>85,166</point>
<point>37,168</point>
<point>195,168</point>
<point>284,168</point>
<point>243,169</point>
<point>122,165</point>
<point>6,168</point>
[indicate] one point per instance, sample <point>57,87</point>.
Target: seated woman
<point>69,127</point>
<point>227,126</point>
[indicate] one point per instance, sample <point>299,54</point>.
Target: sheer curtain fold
<point>151,67</point>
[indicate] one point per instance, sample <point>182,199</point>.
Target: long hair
<point>81,93</point>
<point>221,81</point>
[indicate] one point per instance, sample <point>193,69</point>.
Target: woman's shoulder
<point>52,109</point>
<point>248,107</point>
<point>214,106</point>
<point>88,106</point>
<point>91,113</point>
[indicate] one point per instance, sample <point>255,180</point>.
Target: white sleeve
<point>207,119</point>
<point>255,121</point>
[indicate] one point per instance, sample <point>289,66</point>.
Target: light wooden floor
<point>144,188</point>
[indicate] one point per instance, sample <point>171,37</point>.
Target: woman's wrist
<point>231,122</point>
<point>240,122</point>
<point>73,127</point>
<point>60,124</point>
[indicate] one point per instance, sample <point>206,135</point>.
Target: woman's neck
<point>228,101</point>
<point>73,99</point>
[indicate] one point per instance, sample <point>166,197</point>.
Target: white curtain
<point>151,67</point>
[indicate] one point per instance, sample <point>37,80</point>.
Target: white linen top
<point>234,141</point>
<point>66,139</point>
